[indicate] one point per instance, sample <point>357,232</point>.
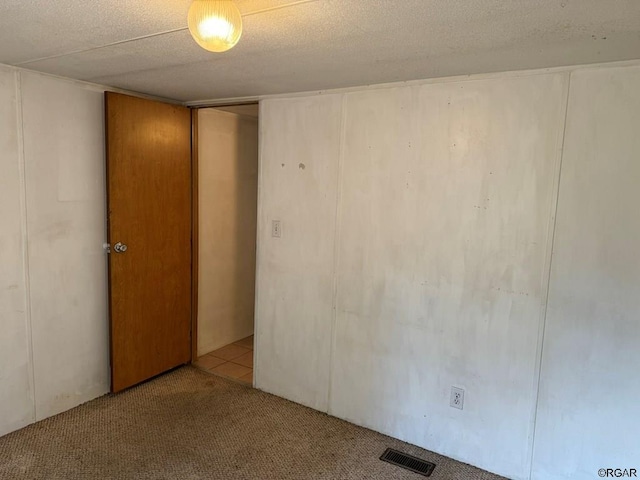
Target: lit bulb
<point>215,25</point>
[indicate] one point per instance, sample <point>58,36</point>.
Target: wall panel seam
<point>551,236</point>
<point>24,227</point>
<point>336,246</point>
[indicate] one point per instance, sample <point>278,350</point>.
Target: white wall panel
<point>447,196</point>
<point>589,411</point>
<point>446,199</point>
<point>16,395</point>
<point>300,140</point>
<point>65,184</point>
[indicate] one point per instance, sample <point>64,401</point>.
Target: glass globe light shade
<point>215,25</point>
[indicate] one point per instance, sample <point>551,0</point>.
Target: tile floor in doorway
<point>234,361</point>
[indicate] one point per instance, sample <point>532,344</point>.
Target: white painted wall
<point>416,252</point>
<point>16,389</point>
<point>589,410</point>
<point>447,194</point>
<point>227,205</point>
<point>64,158</point>
<point>298,185</point>
<point>439,260</point>
<point>52,224</point>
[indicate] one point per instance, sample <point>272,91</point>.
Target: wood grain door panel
<point>149,210</point>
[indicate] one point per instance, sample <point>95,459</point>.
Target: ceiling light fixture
<point>215,25</point>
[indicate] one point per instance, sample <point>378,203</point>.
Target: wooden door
<point>149,211</point>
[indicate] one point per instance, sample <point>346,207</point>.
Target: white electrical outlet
<point>457,398</point>
<point>276,229</point>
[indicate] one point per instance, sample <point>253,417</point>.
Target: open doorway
<point>227,188</point>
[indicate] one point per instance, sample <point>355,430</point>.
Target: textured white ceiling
<point>300,45</point>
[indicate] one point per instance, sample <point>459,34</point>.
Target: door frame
<point>194,234</point>
<point>195,222</point>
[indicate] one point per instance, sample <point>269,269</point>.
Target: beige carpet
<point>190,425</point>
